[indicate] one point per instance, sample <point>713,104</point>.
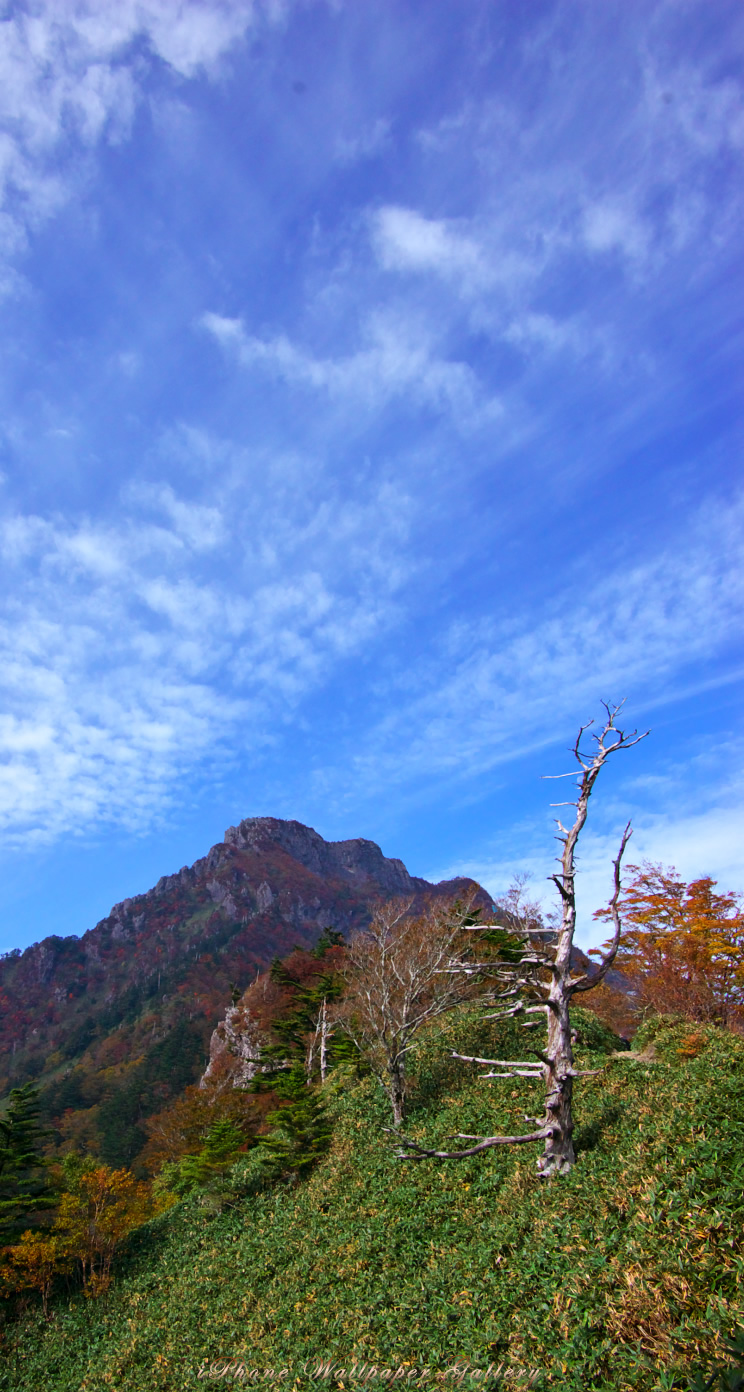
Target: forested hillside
<point>114,1024</point>
<point>627,1273</point>
<point>347,1196</point>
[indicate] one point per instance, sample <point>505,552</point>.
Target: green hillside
<point>626,1274</point>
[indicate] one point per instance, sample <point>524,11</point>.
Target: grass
<point>627,1274</point>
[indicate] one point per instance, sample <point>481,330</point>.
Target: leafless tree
<point>397,981</point>
<point>541,981</point>
<point>323,1029</point>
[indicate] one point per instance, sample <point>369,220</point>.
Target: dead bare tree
<point>541,981</point>
<point>322,1031</point>
<point>397,981</point>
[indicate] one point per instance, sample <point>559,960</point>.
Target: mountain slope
<point>630,1265</point>
<point>118,1021</point>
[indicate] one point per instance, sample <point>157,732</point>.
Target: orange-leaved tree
<point>682,945</point>
<point>182,1127</point>
<point>32,1263</point>
<point>101,1206</point>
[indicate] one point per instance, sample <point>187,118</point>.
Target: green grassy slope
<point>613,1278</point>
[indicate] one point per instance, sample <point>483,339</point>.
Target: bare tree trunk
<point>323,1042</point>
<point>559,1153</point>
<point>543,977</point>
<point>310,1057</point>
<point>558,1069</point>
<point>397,1090</point>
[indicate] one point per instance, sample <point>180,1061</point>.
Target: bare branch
<point>515,1073</point>
<point>400,974</point>
<point>546,776</point>
<point>498,1063</point>
<point>564,893</point>
<point>421,1153</point>
<point>587,983</point>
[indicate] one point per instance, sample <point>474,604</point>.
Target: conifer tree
<point>222,1144</point>
<point>24,1178</point>
<point>301,1131</point>
<point>330,937</point>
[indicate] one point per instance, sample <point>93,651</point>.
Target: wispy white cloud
<point>693,820</point>
<point>608,227</point>
<point>197,525</point>
<point>368,143</point>
<point>398,359</point>
<point>568,337</point>
<point>73,72</point>
<point>501,687</point>
<point>643,182</point>
<point>407,241</point>
<point>134,648</point>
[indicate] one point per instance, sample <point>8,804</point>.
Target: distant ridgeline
<point>114,1024</point>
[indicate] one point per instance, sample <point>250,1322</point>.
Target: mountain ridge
<point>115,1022</point>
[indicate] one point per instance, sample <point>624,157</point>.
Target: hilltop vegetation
<point>287,1226</point>
<point>114,1025</point>
<point>624,1274</point>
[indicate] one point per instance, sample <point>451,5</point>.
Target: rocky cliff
<point>116,1021</point>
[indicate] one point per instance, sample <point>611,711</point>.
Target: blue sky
<point>370,386</point>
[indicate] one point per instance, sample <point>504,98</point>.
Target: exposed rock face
<point>234,1049</point>
<point>167,959</point>
<point>356,862</point>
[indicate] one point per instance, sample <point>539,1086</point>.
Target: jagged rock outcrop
<point>356,862</point>
<point>153,978</point>
<point>234,1049</point>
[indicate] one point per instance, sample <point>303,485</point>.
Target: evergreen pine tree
<point>24,1181</point>
<point>301,1131</point>
<point>330,937</point>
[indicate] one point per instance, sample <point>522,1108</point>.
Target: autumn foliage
<point>95,1214</point>
<point>32,1264</point>
<point>682,947</point>
<point>97,1209</point>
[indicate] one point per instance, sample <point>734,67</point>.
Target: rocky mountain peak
<point>357,861</point>
<point>151,981</point>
